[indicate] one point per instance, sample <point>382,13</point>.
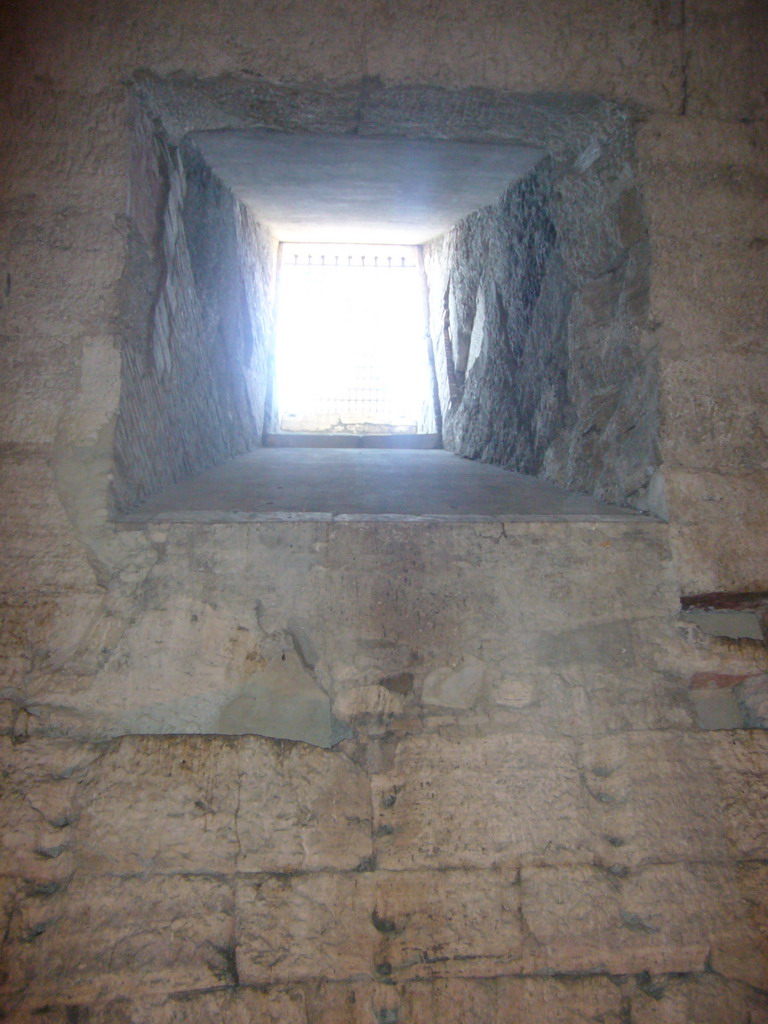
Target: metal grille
<point>351,353</point>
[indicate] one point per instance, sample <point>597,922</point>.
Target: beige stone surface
<point>479,803</point>
<point>705,190</point>
<point>300,809</point>
<point>711,430</point>
<point>241,1006</point>
<point>630,52</point>
<point>727,63</point>
<point>491,51</point>
<point>103,937</point>
<point>357,1002</point>
<point>39,807</point>
<point>39,548</point>
<point>293,927</point>
<point>448,922</point>
<point>514,1001</point>
<point>740,946</point>
<point>700,999</point>
<point>664,918</point>
<point>183,648</point>
<point>653,798</point>
<point>738,760</point>
<point>640,842</point>
<point>238,1006</point>
<point>720,533</point>
<point>159,805</point>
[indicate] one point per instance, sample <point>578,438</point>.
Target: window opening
<point>351,350</point>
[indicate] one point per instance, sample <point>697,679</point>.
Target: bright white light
<point>351,351</point>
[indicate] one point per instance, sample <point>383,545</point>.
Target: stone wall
<point>201,879</point>
<point>539,308</point>
<point>196,320</point>
<point>567,843</point>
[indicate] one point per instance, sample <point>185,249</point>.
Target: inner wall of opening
<point>351,342</point>
<point>538,290</point>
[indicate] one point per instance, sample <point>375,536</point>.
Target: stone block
<point>740,942</point>
<point>164,805</point>
<point>719,530</point>
<point>240,1006</point>
<point>662,919</point>
<point>513,1001</point>
<point>530,49</point>
<point>31,847</point>
<point>653,797</point>
<point>713,411</point>
<point>455,687</point>
<point>78,258</point>
<point>234,1005</point>
<point>35,382</point>
<point>448,922</point>
<point>106,937</point>
<point>714,700</point>
<point>479,802</point>
<point>39,548</point>
<point>726,61</point>
<point>699,999</point>
<point>294,927</point>
<point>39,806</point>
<point>357,1002</point>
<point>300,809</point>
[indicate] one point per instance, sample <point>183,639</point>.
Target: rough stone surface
<point>301,809</point>
<point>662,918</point>
<point>305,926</point>
<point>511,799</point>
<point>200,273</point>
<point>147,930</point>
<point>537,306</point>
<point>448,922</point>
<point>558,840</point>
<point>302,630</point>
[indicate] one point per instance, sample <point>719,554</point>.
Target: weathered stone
<point>165,806</point>
<point>300,809</point>
<point>194,392</point>
<point>375,701</point>
<point>455,687</point>
<point>653,798</point>
<point>740,940</point>
<point>696,1000</point>
<point>40,551</point>
<point>235,1005</point>
<point>104,937</point>
<point>294,927</point>
<point>239,1005</point>
<point>634,308</point>
<point>448,922</point>
<point>661,918</point>
<point>357,1002</point>
<point>519,1000</point>
<point>479,803</point>
<point>560,382</point>
<point>711,553</point>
